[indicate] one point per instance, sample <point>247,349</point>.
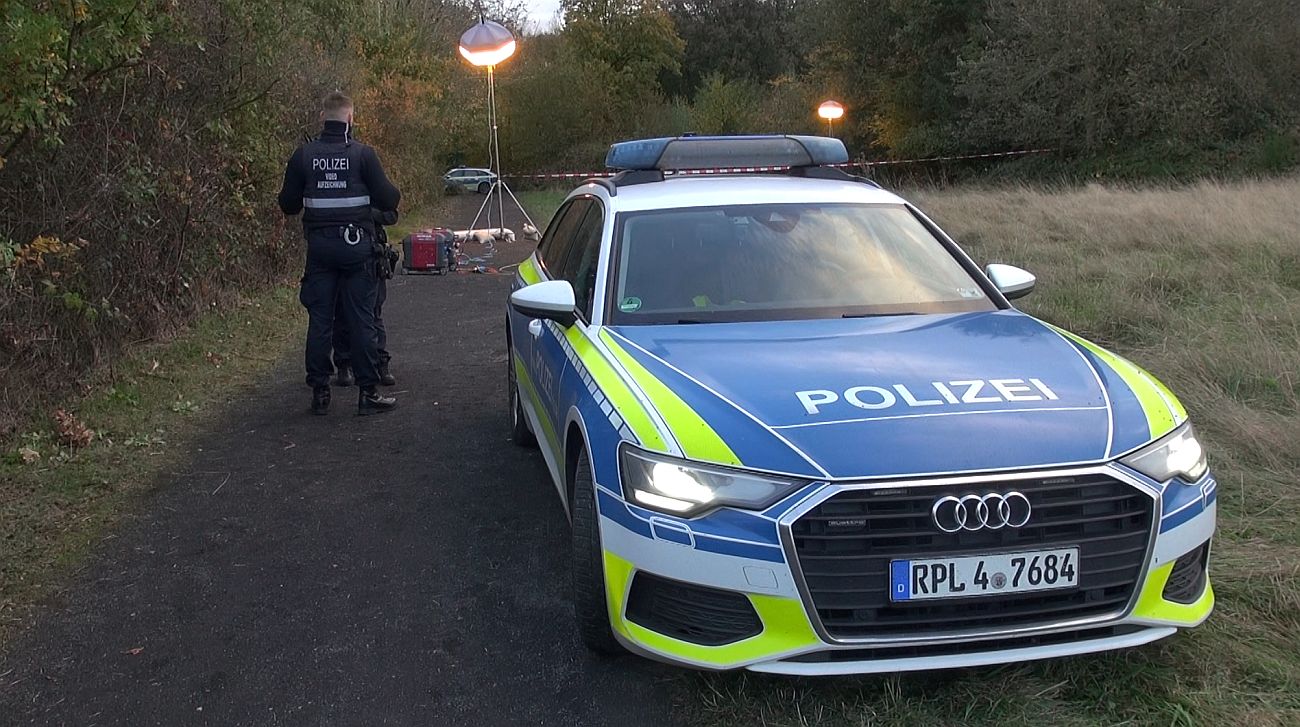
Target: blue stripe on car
<point>738,549</point>
<point>753,444</point>
<point>1130,421</point>
<point>1185,502</point>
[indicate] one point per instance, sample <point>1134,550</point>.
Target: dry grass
<point>1200,285</point>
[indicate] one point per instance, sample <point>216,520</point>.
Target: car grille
<point>845,545</point>
<point>1187,579</point>
<point>691,613</point>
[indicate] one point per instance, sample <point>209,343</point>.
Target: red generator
<point>429,251</point>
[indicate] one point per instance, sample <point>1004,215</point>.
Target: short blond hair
<point>336,106</point>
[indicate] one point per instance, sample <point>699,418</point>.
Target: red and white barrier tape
<point>752,170</point>
<point>989,155</point>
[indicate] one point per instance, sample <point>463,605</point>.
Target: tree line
<point>141,141</point>
<point>1118,87</point>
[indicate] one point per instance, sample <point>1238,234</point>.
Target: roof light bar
<point>712,152</point>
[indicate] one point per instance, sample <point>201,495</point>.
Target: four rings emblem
<point>981,512</point>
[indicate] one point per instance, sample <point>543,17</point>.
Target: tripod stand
<point>499,187</point>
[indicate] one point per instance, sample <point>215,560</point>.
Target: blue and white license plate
<point>983,575</point>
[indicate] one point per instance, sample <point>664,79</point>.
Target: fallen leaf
<point>72,432</point>
<point>134,652</point>
<point>29,455</point>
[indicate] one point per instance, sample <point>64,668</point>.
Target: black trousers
<point>339,275</point>
<point>343,334</point>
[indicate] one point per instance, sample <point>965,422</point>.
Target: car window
<point>459,173</point>
<point>555,244</point>
<point>784,262</point>
<point>580,262</point>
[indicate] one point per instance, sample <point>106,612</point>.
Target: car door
<point>534,341</point>
<point>578,268</point>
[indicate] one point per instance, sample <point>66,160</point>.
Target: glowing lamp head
<point>831,110</point>
<point>487,44</point>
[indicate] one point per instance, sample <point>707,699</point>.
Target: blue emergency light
<point>725,152</point>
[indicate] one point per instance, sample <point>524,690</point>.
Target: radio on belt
<point>430,251</point>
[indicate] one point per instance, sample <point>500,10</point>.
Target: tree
<point>739,39</point>
<point>1087,75</point>
<point>727,106</point>
<point>52,53</point>
<point>624,47</point>
<point>894,60</point>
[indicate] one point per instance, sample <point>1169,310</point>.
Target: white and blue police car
<point>798,430</point>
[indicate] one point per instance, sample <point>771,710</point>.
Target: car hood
<point>897,395</point>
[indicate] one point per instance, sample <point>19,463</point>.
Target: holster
<point>385,257</point>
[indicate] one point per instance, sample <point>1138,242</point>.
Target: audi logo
<point>981,512</point>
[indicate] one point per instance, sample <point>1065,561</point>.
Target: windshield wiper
<point>691,321</point>
<point>878,315</point>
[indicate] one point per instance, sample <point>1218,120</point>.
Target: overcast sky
<point>542,12</point>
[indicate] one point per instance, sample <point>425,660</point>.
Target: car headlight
<point>684,488</point>
<point>1178,454</point>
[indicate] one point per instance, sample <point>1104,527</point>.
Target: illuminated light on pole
<point>831,110</point>
<point>486,45</point>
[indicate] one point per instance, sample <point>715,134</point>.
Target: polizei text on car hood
<point>903,395</point>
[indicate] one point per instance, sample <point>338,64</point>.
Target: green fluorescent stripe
<point>1152,605</point>
<point>785,626</point>
<point>528,271</point>
<point>613,386</point>
<point>1161,407</point>
<point>696,437</point>
<point>521,376</point>
<point>1180,414</point>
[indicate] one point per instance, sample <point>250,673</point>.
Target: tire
<point>484,187</point>
<point>520,434</point>
<point>590,611</point>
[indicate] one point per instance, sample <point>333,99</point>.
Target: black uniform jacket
<point>335,180</point>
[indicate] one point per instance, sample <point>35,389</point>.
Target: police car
<point>797,430</point>
<point>465,178</point>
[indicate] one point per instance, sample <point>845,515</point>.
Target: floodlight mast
<point>485,45</point>
<point>830,111</point>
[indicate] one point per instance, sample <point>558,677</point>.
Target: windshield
<point>784,262</point>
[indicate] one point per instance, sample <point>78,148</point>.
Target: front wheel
<point>590,609</point>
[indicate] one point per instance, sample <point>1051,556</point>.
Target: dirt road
<point>406,569</point>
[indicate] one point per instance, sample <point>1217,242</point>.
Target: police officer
<point>337,183</point>
<point>385,263</point>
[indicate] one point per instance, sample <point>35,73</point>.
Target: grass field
<point>1201,286</point>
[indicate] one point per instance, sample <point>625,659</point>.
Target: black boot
<point>371,402</point>
<point>344,376</point>
<point>385,376</point>
<point>320,400</point>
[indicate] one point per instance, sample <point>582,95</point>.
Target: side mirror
<point>551,300</point>
<point>1012,281</point>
